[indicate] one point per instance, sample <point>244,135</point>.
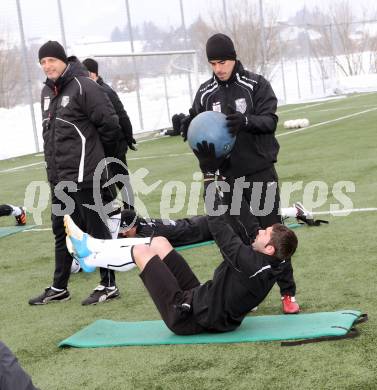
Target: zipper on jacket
<point>80,178</point>
<point>51,128</point>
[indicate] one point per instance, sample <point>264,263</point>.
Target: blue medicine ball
<point>211,126</point>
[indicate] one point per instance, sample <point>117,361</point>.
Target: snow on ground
<point>17,130</point>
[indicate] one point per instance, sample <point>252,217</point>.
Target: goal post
<point>189,67</point>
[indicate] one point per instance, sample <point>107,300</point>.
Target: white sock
<point>117,259</point>
<point>103,249</point>
<point>107,246</point>
<point>57,289</point>
<point>288,212</point>
<point>16,210</point>
<point>113,223</point>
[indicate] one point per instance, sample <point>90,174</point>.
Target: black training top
<point>256,147</point>
<point>240,282</point>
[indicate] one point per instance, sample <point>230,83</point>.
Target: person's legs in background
<point>58,291</point>
<point>97,228</point>
<point>124,186</point>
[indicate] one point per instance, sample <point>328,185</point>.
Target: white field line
<point>343,108</point>
<point>328,101</point>
<point>36,230</point>
<point>151,139</point>
<point>327,122</point>
<point>301,108</point>
<point>344,211</point>
<point>129,159</point>
<point>159,156</point>
<point>21,167</point>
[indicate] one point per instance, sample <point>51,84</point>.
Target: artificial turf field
<point>335,268</point>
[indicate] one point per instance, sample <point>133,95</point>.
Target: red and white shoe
<point>21,219</point>
<point>290,306</point>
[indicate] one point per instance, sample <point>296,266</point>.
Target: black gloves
<point>206,155</point>
<point>185,123</point>
<point>176,122</point>
<point>131,142</point>
<point>236,121</point>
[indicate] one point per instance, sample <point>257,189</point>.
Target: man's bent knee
<point>161,246</point>
<point>142,254</point>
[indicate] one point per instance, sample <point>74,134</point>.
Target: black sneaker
<point>49,295</point>
<point>306,216</point>
<point>303,214</point>
<point>101,294</point>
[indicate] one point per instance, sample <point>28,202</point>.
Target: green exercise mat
<point>8,230</point>
<point>315,326</point>
<point>189,246</point>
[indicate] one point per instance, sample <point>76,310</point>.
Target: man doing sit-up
<point>241,281</point>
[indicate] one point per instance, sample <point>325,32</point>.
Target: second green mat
<point>8,230</point>
<point>107,333</point>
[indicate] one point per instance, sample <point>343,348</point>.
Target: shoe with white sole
<point>21,219</point>
<point>81,260</point>
<point>78,238</point>
<point>50,295</point>
<point>101,294</point>
<point>303,214</point>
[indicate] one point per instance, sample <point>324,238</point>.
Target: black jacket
<point>126,135</point>
<point>256,148</point>
<point>240,282</point>
<point>12,375</point>
<point>79,124</point>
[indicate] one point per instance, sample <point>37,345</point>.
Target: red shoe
<point>290,306</point>
<point>21,219</point>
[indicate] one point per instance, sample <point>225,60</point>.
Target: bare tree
<point>343,38</point>
<point>10,73</point>
<point>373,54</point>
<point>245,29</point>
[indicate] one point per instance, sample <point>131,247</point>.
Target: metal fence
<point>302,60</point>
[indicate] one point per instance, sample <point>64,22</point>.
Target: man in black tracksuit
<point>241,281</point>
<point>80,127</point>
<point>250,105</point>
<point>126,140</point>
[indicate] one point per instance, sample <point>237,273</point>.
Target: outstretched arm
<point>240,255</point>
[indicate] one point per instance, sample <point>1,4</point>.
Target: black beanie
<point>220,47</point>
<point>52,49</point>
<point>128,219</point>
<point>91,65</point>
